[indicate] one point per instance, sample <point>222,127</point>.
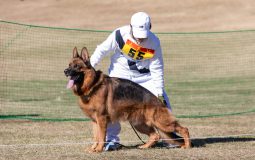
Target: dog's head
<point>77,68</point>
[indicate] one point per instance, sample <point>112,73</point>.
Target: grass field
<point>213,139</point>
<point>208,76</point>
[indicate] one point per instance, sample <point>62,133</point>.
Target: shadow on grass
<point>204,141</point>
<point>197,143</point>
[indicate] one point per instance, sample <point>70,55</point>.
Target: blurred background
<point>208,48</point>
<point>167,15</point>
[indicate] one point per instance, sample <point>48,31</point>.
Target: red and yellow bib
<point>137,52</point>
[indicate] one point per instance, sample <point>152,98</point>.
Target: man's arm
<point>103,49</point>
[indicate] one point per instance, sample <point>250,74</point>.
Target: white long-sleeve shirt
<point>136,62</point>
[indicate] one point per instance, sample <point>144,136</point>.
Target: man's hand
<point>162,99</point>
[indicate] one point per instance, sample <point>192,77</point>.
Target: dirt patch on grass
<point>167,16</point>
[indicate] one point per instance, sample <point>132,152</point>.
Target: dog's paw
<point>144,146</point>
<point>93,150</point>
<point>98,149</point>
<point>94,146</point>
<point>185,147</point>
<point>90,150</point>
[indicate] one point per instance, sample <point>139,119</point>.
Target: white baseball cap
<point>140,23</point>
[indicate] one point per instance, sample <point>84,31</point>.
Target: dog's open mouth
<point>70,83</point>
<point>74,80</point>
<point>75,77</point>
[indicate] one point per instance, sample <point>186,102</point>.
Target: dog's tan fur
<point>106,99</point>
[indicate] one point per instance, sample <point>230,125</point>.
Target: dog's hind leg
<point>168,138</point>
<point>184,132</point>
<point>150,131</point>
<point>166,131</point>
<point>153,138</point>
<point>165,122</point>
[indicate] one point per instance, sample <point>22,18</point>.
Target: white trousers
<point>113,129</point>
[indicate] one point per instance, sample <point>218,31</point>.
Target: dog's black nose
<point>66,71</point>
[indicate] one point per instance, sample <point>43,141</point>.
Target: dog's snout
<point>67,71</point>
<point>70,72</point>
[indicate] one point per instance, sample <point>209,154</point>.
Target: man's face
<point>140,40</point>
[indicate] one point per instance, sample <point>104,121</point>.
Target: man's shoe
<point>167,145</point>
<point>112,146</point>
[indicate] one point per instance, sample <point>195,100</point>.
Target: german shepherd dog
<point>107,99</point>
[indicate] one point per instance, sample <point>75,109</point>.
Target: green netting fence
<point>206,73</point>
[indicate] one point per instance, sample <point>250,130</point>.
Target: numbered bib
<point>137,52</point>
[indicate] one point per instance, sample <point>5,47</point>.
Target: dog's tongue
<point>70,84</point>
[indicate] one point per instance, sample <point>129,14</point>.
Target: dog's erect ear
<point>75,53</point>
<point>85,54</point>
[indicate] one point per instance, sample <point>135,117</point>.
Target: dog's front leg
<point>95,138</point>
<point>95,135</point>
<point>101,132</point>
